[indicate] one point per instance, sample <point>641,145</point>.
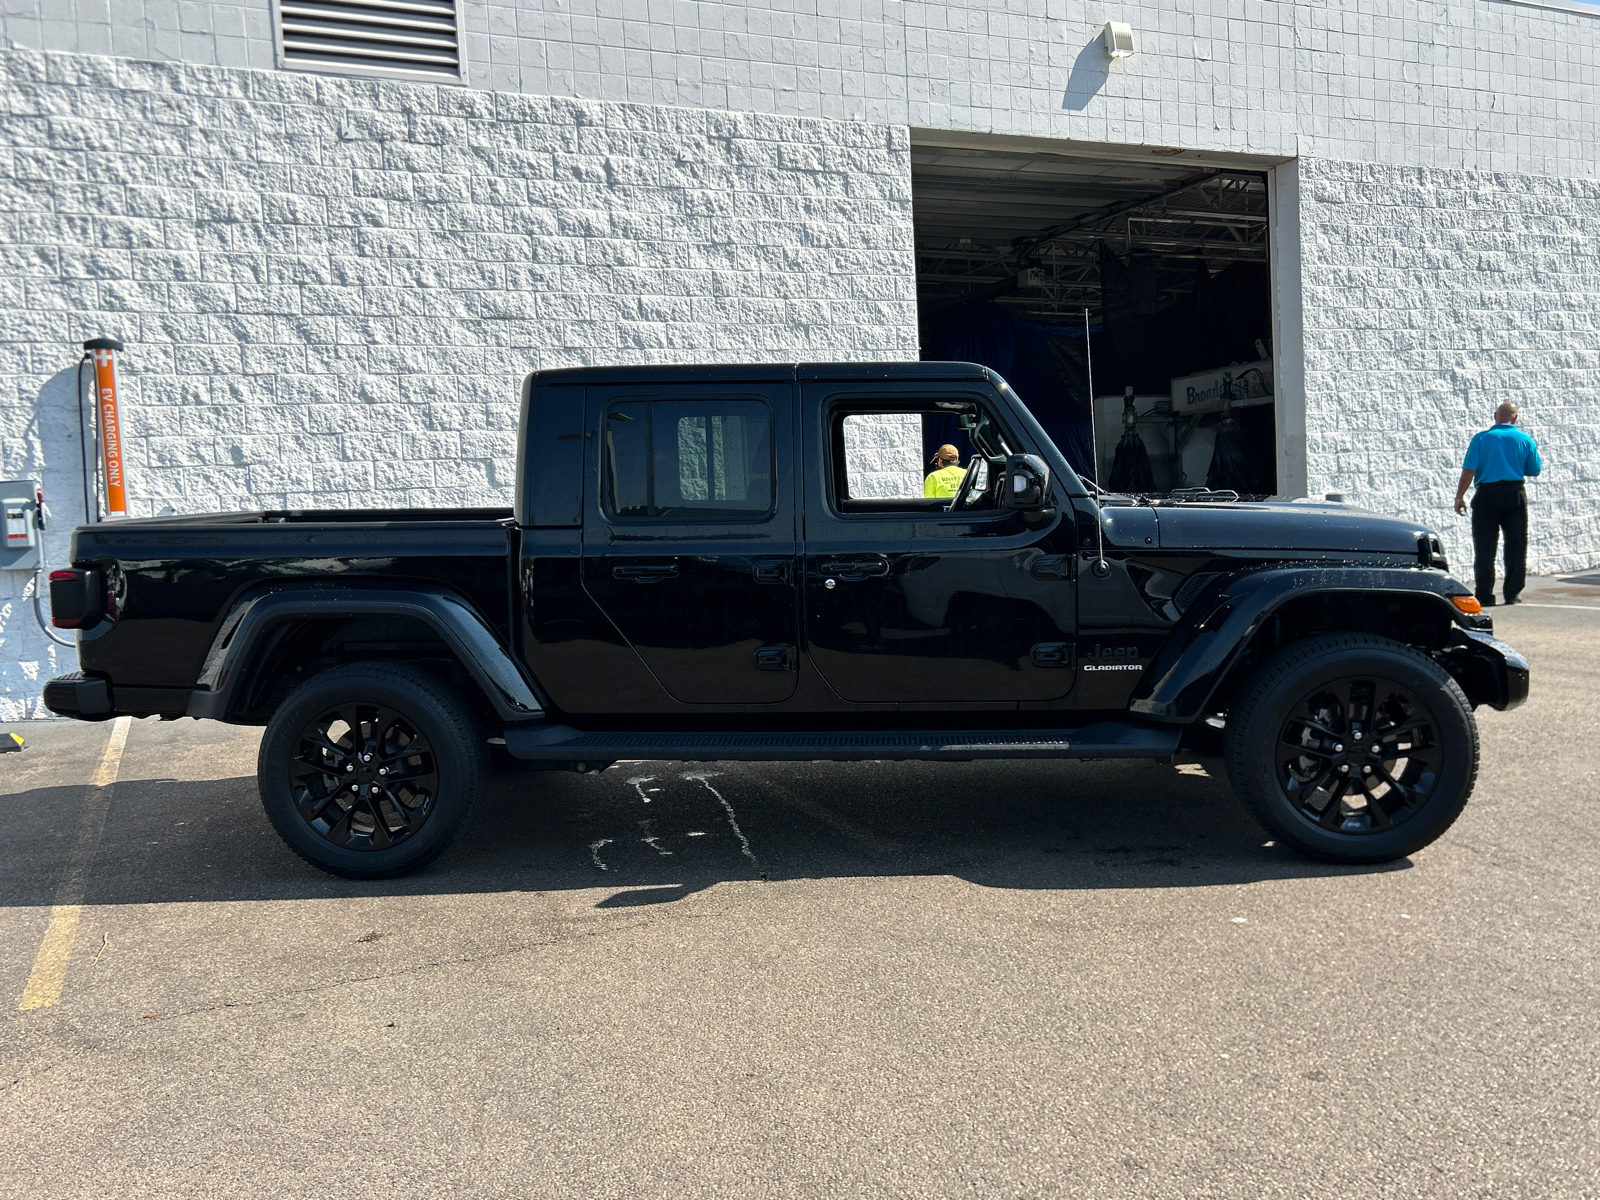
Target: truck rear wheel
<point>371,770</point>
<point>1353,748</point>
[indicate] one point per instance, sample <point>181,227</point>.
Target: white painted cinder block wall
<point>1429,297</point>
<point>1492,85</point>
<point>331,286</point>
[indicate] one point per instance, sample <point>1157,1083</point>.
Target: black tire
<point>407,744</point>
<point>1303,730</point>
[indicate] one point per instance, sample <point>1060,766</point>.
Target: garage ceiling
<point>1027,227</point>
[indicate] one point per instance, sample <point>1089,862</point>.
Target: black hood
<point>1290,527</point>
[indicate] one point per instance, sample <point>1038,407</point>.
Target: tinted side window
<point>627,465</point>
<point>897,461</point>
<point>688,460</point>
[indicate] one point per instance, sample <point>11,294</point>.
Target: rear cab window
<point>677,461</point>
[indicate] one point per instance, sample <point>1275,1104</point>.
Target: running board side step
<point>1105,739</point>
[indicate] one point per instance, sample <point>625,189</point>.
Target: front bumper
<point>1488,670</point>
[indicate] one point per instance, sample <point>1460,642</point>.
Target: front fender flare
<point>456,622</point>
<point>1217,627</point>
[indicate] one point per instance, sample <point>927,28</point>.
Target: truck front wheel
<point>371,770</point>
<point>1353,748</point>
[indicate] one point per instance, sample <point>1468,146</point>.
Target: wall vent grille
<point>416,38</point>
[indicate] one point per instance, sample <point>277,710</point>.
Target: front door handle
<point>1053,654</point>
<point>866,567</point>
<point>654,573</point>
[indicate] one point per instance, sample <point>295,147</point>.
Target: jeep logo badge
<point>1112,658</point>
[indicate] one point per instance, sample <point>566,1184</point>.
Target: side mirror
<point>1026,486</point>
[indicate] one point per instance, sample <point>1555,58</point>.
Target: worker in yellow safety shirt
<point>945,478</point>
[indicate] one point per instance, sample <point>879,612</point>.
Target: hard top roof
<point>762,372</point>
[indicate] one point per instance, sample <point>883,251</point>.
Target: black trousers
<point>1497,506</point>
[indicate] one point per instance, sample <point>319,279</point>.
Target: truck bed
<point>175,578</point>
<point>322,516</point>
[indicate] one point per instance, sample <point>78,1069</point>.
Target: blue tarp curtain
<point>1041,361</point>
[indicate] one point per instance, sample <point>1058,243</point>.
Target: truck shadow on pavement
<point>651,833</point>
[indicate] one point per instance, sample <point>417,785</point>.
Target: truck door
<point>689,547</point>
<point>910,598</point>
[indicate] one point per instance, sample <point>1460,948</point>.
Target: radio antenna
<point>1101,569</point>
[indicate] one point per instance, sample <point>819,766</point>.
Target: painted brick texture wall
<point>1451,83</point>
<point>1467,84</point>
<point>1429,297</point>
<point>331,289</point>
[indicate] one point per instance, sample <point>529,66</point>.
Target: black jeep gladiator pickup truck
<point>738,562</point>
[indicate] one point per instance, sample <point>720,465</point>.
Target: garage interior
<point>1147,268</point>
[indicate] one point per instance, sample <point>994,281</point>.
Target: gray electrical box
<point>19,541</point>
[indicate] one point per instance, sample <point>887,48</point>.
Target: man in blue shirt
<point>1498,460</point>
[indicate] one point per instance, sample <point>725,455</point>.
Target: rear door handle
<point>775,658</point>
<point>647,574</point>
<point>866,567</point>
<point>772,570</point>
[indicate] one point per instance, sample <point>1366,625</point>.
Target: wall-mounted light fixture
<point>1119,39</point>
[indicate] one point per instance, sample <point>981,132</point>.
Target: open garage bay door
<point>1166,253</point>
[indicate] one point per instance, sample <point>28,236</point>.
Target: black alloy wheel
<point>371,769</point>
<point>363,777</point>
<point>1359,756</point>
<point>1352,748</point>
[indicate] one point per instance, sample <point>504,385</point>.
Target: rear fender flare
<point>1217,627</point>
<point>514,696</point>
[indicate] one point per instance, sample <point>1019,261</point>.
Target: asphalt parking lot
<point>988,980</point>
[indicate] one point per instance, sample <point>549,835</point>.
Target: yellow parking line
<point>50,964</point>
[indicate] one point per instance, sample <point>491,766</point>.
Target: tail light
<point>77,599</point>
<point>114,591</point>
